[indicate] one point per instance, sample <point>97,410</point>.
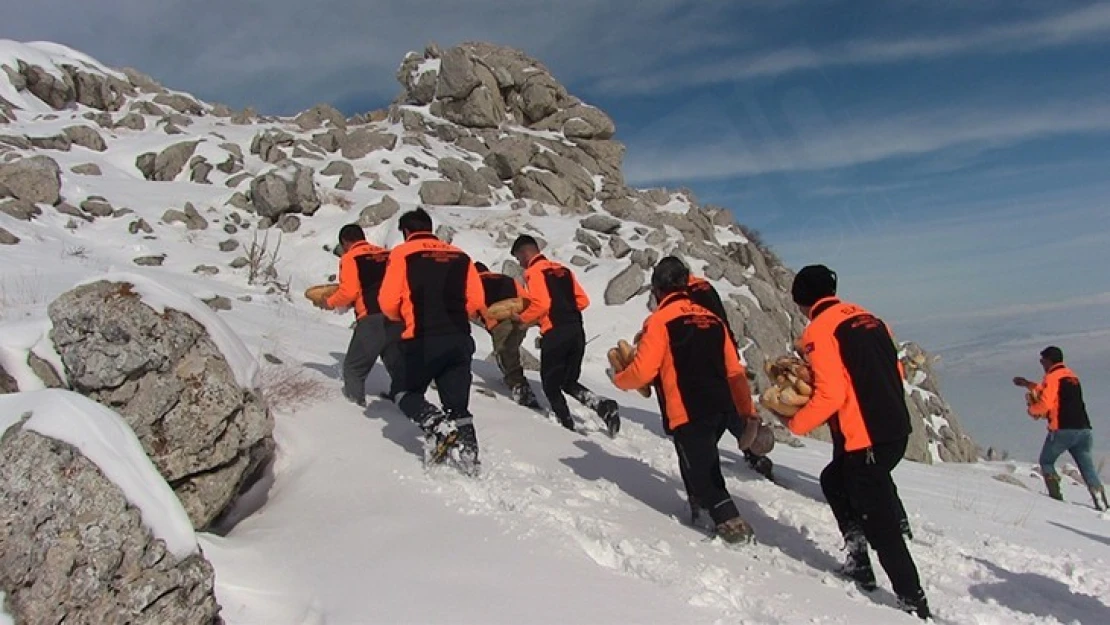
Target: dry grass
<point>287,388</point>
<point>262,260</point>
<point>18,291</point>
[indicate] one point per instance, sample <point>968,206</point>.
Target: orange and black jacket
<point>361,269</point>
<point>432,287</point>
<point>703,294</point>
<point>686,353</point>
<point>498,287</point>
<point>1060,400</point>
<point>857,384</point>
<point>557,298</point>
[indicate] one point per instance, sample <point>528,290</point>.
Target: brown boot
<point>1099,493</point>
<point>1052,483</point>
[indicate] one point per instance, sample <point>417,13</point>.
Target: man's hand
<point>1020,381</point>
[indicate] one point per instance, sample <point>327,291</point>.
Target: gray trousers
<point>374,336</point>
<point>507,337</point>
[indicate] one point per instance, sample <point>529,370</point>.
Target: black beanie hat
<point>1053,354</point>
<point>812,283</point>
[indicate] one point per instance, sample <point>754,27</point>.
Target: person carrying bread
<point>858,391</point>
<point>361,269</point>
<point>432,288</point>
<point>557,301</point>
<point>705,295</point>
<point>507,334</point>
<point>687,354</point>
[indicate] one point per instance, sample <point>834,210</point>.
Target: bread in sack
<point>320,293</point>
<point>506,308</point>
<point>620,357</point>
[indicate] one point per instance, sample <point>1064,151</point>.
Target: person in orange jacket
<point>361,269</point>
<point>1059,400</point>
<point>705,295</point>
<point>433,289</point>
<point>858,391</point>
<point>687,354</point>
<point>557,304</point>
<point>507,334</point>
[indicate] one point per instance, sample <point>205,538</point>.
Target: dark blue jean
<point>1076,442</point>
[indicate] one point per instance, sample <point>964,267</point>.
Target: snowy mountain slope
<point>562,527</point>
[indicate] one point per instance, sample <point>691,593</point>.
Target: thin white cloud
<point>704,142</point>
<point>1087,24</point>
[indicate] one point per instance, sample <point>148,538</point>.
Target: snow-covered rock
<point>180,377</point>
<point>90,531</point>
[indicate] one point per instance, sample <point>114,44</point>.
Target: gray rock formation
<point>35,179</point>
<point>168,163</point>
<point>76,551</point>
<point>287,190</point>
<point>167,378</point>
<point>375,214</point>
<point>625,285</point>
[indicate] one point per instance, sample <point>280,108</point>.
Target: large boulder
<point>288,189</point>
<point>36,179</point>
<point>90,533</point>
<point>625,285</point>
<point>167,164</point>
<point>180,378</point>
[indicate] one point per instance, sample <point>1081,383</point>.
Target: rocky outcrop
<point>165,375</point>
<point>936,425</point>
<point>289,189</point>
<point>75,550</point>
<point>35,179</point>
<point>167,164</point>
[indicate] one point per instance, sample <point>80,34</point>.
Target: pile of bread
<point>620,357</point>
<point>791,385</point>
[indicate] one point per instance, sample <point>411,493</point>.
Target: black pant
<point>863,497</point>
<point>374,337</point>
<point>445,359</point>
<point>561,351</point>
<point>699,461</point>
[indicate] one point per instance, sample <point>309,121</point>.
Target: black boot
<point>440,434</point>
<point>609,412</point>
<point>736,531</point>
<point>916,605</point>
<point>524,396</point>
<point>760,464</point>
<point>1052,483</point>
<point>857,564</point>
<point>1098,492</point>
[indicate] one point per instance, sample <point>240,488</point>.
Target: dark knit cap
<point>1053,354</point>
<point>812,283</point>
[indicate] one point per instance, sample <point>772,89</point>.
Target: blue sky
<point>949,159</point>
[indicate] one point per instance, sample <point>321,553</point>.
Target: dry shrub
<point>287,388</point>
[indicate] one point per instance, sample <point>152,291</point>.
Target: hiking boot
<point>857,564</point>
<point>916,605</point>
<point>358,401</point>
<point>566,421</point>
<point>524,396</point>
<point>699,516</point>
<point>735,531</point>
<point>467,446</point>
<point>440,435</point>
<point>1052,484</point>
<point>760,464</point>
<point>1098,492</point>
<point>609,411</point>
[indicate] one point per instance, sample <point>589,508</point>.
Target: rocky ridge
<point>485,136</point>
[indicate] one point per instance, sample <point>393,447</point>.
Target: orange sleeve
<point>475,293</point>
<point>349,285</point>
<point>389,296</point>
<point>829,387</point>
<point>649,358</point>
<point>1049,391</point>
<point>580,296</point>
<point>520,292</point>
<point>537,292</point>
<point>738,380</point>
